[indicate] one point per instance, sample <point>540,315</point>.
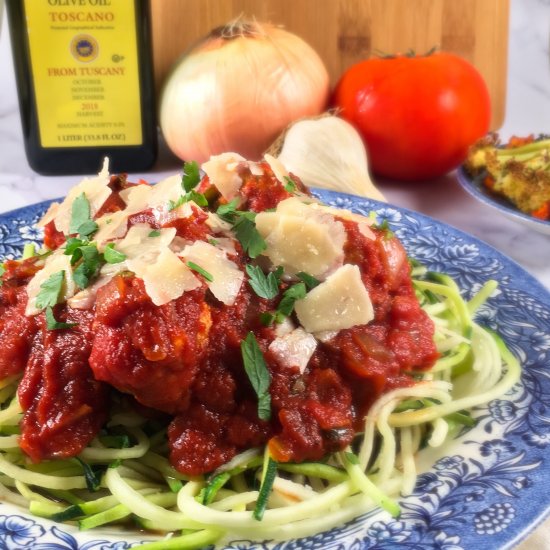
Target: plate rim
<point>528,284</point>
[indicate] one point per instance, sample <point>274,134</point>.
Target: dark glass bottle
<point>85,83</point>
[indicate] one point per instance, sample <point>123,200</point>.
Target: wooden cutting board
<point>344,32</point>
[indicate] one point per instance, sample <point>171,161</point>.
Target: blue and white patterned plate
<point>475,187</point>
<point>486,490</point>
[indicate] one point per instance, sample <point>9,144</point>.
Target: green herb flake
<point>2,271</point>
<point>191,176</point>
<point>208,276</point>
<point>88,267</point>
<point>256,370</point>
<point>249,237</point>
<point>228,211</point>
<point>214,242</point>
<point>53,324</point>
<point>309,280</point>
<point>264,286</point>
<point>154,233</point>
<point>267,318</point>
<point>197,198</point>
<point>293,293</point>
<point>50,290</point>
<point>81,221</point>
<point>289,185</point>
<point>113,256</point>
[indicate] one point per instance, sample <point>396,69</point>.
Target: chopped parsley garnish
<point>291,294</point>
<point>214,242</point>
<point>309,280</point>
<point>90,263</point>
<point>50,290</point>
<point>198,198</point>
<point>208,276</point>
<point>113,256</point>
<point>249,237</point>
<point>2,271</point>
<point>256,370</point>
<point>227,212</point>
<point>264,286</point>
<point>191,176</point>
<point>81,221</point>
<point>53,324</point>
<point>289,185</point>
<point>243,226</point>
<point>154,233</point>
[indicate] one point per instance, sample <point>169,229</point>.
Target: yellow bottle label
<point>85,72</point>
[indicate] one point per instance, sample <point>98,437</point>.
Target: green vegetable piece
<point>29,251</point>
<point>249,237</point>
<point>208,493</point>
<point>289,185</point>
<point>256,370</point>
<point>352,458</point>
<point>295,292</point>
<point>264,286</point>
<point>154,233</point>
<point>208,276</point>
<point>50,290</point>
<point>265,489</point>
<point>88,228</point>
<point>93,477</point>
<point>191,176</point>
<point>52,324</point>
<point>309,280</point>
<point>69,513</point>
<point>113,256</point>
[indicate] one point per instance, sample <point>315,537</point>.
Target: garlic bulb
<point>328,152</point>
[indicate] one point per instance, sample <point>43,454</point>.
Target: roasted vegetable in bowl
<point>518,170</point>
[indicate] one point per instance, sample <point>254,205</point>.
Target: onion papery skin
<point>239,91</point>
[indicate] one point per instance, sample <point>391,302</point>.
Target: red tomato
<point>417,115</point>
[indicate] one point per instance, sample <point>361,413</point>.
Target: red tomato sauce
<point>184,358</point>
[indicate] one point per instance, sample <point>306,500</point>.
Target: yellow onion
<point>238,89</point>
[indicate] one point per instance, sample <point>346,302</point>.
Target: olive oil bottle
<point>85,83</point>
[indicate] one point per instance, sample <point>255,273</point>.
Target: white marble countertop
<point>528,110</point>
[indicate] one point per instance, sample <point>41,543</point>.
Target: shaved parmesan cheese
<point>136,197</point>
<point>222,172</point>
<point>340,302</point>
<point>49,215</point>
<point>54,264</point>
<point>277,167</point>
<point>96,191</point>
<point>217,224</point>
<point>302,239</point>
<point>227,277</point>
<point>166,279</point>
<point>294,349</point>
<point>255,168</point>
<point>110,226</point>
<point>137,244</point>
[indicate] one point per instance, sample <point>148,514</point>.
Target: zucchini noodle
<point>124,473</point>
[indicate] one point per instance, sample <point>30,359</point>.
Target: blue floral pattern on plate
<point>486,490</point>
